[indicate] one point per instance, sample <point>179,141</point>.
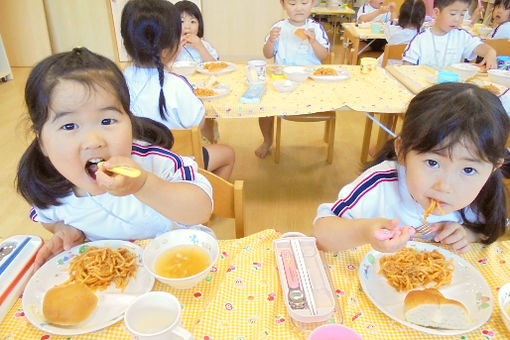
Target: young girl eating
<point>193,46</point>
<point>78,104</point>
<point>450,150</point>
<point>501,20</point>
<point>151,30</point>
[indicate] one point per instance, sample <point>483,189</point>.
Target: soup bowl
<point>179,237</point>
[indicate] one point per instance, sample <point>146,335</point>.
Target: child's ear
<point>436,12</point>
<point>397,144</point>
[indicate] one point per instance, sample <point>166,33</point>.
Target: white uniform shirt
<point>367,8</point>
<point>289,49</point>
<point>184,109</point>
<point>381,191</point>
<point>396,35</point>
<point>125,217</point>
<point>438,51</point>
<point>501,32</point>
<point>190,53</point>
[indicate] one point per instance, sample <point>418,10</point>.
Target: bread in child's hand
<point>300,33</point>
<point>429,308</point>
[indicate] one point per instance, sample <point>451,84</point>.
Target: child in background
<point>375,10</point>
<point>410,20</point>
<point>445,43</point>
<point>501,20</point>
<point>78,104</point>
<point>450,151</point>
<point>297,40</point>
<point>151,30</point>
<point>193,46</point>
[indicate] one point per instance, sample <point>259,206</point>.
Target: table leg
<point>382,136</point>
<point>355,48</point>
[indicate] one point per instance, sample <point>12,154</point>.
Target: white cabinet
<point>5,69</point>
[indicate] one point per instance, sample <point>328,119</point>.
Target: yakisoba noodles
<point>408,269</point>
<point>432,206</point>
<point>325,71</point>
<point>215,67</point>
<point>203,92</point>
<point>98,267</point>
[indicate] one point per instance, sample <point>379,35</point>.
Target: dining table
<point>353,33</point>
<point>241,298</point>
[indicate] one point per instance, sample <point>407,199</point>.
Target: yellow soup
<point>182,261</point>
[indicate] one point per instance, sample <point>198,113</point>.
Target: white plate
<point>111,302</point>
<point>230,67</point>
<point>221,89</point>
<point>468,286</point>
<point>342,75</point>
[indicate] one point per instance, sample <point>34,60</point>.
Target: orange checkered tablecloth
<point>241,298</point>
<point>374,92</point>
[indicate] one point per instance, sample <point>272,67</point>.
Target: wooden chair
<point>329,130</point>
<point>228,200</point>
<point>188,142</point>
<point>502,46</point>
<point>388,119</point>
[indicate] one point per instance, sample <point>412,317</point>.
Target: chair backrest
<point>228,200</point>
<point>392,52</point>
<point>188,142</point>
<point>502,46</point>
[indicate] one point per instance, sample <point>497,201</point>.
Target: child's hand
<point>192,40</point>
<point>384,9</point>
<point>274,34</point>
<point>116,184</point>
<point>64,238</point>
<point>387,246</point>
<point>310,34</point>
<point>452,234</point>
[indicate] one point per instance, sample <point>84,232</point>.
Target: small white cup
<point>155,316</point>
<point>256,70</point>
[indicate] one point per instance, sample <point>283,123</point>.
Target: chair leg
<point>366,139</point>
<point>277,139</point>
<point>331,137</point>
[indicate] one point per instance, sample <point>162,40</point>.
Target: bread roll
<point>300,33</point>
<point>69,305</point>
<point>429,308</point>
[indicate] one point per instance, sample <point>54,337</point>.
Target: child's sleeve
<point>501,32</point>
<point>190,109</point>
<point>413,52</point>
<point>471,42</point>
<point>212,51</point>
<point>361,11</point>
<point>320,35</point>
<point>43,215</point>
<point>174,168</point>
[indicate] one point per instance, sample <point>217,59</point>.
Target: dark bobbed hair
<point>504,3</point>
<point>148,27</point>
<point>445,3</point>
<point>191,9</point>
<point>412,14</point>
<point>446,114</point>
<point>37,179</point>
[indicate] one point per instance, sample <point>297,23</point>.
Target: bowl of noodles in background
<point>181,258</point>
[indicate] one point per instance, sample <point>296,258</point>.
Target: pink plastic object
<point>385,234</point>
<point>334,332</point>
<point>289,265</point>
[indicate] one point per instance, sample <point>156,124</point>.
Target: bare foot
<point>263,150</point>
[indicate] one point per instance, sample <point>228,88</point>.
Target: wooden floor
<point>283,196</point>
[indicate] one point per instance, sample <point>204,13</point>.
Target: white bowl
<point>184,67</point>
<point>365,25</point>
<point>284,85</point>
<point>500,76</point>
<point>485,31</point>
<point>465,70</point>
<point>504,300</point>
<point>179,237</point>
<point>297,73</point>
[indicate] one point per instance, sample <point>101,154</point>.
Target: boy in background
<point>297,40</point>
<point>374,10</point>
<point>446,43</point>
